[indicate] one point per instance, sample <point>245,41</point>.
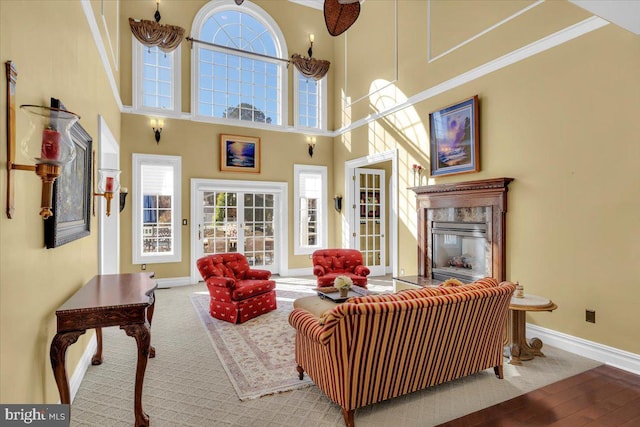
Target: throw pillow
<point>451,282</point>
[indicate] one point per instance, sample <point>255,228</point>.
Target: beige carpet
<point>257,354</point>
<point>186,384</point>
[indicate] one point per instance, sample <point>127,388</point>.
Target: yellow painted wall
<point>563,123</point>
<point>199,146</point>
<point>52,48</point>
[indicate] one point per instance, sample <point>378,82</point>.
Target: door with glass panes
<point>238,222</point>
<point>369,234</point>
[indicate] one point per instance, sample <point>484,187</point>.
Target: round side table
<point>517,347</point>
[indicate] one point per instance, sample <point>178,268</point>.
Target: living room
<point>556,85</point>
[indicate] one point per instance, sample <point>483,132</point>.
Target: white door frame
<point>347,220</point>
<point>108,226</point>
<point>281,223</point>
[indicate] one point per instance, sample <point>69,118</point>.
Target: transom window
<point>244,82</point>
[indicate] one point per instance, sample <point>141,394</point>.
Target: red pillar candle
<point>50,149</point>
<point>109,186</point>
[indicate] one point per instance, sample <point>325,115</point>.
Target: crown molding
<point>102,51</point>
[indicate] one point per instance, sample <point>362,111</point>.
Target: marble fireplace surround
<point>471,201</point>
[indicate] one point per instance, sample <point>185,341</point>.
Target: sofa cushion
<point>251,288</point>
<point>408,294</point>
<point>323,262</point>
<point>337,262</point>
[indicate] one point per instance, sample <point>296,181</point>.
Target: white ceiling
<point>624,13</point>
<point>316,4</point>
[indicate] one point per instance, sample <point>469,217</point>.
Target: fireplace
<point>461,230</point>
<point>459,250</point>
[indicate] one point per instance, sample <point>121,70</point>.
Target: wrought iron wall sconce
<point>48,141</point>
<point>157,125</point>
<point>123,197</point>
<point>108,185</point>
<point>337,203</point>
<point>311,142</point>
<point>311,40</point>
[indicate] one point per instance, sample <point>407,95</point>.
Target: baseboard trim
<point>297,272</point>
<point>172,282</point>
<point>81,367</point>
<point>608,355</point>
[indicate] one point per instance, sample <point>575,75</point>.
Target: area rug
<point>257,355</point>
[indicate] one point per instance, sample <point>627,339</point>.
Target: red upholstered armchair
<point>237,292</point>
<point>331,263</point>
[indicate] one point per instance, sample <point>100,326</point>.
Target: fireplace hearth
<point>461,230</point>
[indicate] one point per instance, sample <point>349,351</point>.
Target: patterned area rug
<point>258,355</point>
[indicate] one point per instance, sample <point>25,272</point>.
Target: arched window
<point>244,82</point>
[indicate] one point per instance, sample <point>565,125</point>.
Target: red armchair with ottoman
<point>331,263</point>
<point>237,292</point>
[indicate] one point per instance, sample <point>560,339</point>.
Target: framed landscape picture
<point>239,153</point>
<point>455,139</point>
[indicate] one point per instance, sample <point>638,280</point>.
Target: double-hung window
<point>237,74</point>
<point>156,79</point>
<point>156,209</point>
<point>310,102</point>
<point>310,207</point>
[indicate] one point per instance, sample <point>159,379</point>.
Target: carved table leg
<point>58,354</point>
<point>141,333</point>
<point>150,309</point>
<point>97,358</point>
<point>517,348</point>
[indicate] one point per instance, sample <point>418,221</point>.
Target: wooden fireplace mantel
<point>487,192</point>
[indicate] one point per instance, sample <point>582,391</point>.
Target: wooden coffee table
<point>517,347</point>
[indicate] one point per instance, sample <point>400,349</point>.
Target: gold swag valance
<point>310,67</point>
<point>151,33</point>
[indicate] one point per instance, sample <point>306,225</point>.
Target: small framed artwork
<point>239,153</point>
<point>455,139</point>
<point>71,207</point>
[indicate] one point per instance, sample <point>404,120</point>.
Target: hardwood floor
<point>601,397</point>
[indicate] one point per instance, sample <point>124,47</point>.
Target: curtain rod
<point>245,52</point>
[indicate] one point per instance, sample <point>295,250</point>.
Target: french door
<point>370,220</point>
<point>240,220</point>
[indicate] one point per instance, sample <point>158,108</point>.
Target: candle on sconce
<point>109,186</point>
<point>124,190</point>
<point>50,149</point>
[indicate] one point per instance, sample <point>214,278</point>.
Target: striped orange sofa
<point>374,348</point>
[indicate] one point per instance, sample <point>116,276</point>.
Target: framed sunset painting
<point>455,139</point>
<point>239,153</point>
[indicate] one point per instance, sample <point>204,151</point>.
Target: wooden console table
<point>125,300</point>
<point>518,348</point>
